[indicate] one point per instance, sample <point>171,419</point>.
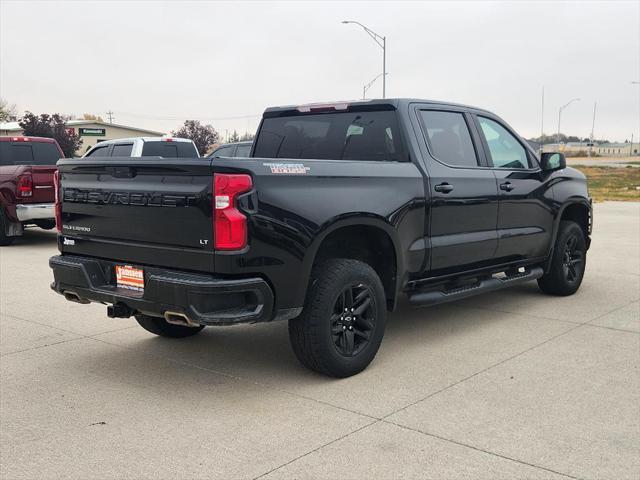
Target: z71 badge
<point>287,168</point>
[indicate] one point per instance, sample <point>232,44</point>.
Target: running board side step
<point>434,297</point>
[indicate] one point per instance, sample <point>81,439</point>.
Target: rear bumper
<point>203,299</point>
<point>35,211</point>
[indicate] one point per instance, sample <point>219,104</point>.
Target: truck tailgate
<point>153,211</point>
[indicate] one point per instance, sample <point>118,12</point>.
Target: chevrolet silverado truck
<point>27,192</point>
<point>339,211</point>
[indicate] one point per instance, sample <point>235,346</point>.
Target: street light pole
<point>382,43</point>
<point>366,87</point>
<point>560,118</point>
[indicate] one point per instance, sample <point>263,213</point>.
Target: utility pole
<point>593,124</point>
<point>110,115</point>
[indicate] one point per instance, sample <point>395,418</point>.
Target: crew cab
<point>340,210</point>
<point>168,147</point>
<point>27,165</point>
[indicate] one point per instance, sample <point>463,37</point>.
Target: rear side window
<point>332,136</point>
<point>160,149</point>
<point>449,138</point>
<point>99,152</point>
<point>122,150</point>
<point>243,151</point>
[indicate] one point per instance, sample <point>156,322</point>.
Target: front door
<point>463,209</point>
<point>525,219</point>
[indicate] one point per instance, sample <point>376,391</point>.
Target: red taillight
<point>25,185</point>
<point>58,200</point>
<point>229,224</point>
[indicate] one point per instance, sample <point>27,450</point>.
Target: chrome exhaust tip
<point>177,318</point>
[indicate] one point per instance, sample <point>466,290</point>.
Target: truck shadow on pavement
<point>261,353</point>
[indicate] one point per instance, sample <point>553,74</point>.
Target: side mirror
<point>553,161</point>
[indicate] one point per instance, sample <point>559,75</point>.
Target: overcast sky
<point>157,63</point>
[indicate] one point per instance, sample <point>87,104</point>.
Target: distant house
<point>90,131</point>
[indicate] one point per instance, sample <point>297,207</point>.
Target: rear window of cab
<point>365,135</point>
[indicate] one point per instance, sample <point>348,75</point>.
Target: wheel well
<point>368,244</point>
<point>578,213</point>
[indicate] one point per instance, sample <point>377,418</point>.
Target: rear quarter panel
<point>291,213</point>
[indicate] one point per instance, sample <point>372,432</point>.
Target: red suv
<point>27,194</point>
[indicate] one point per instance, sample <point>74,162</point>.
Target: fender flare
<point>353,220</point>
<point>556,224</point>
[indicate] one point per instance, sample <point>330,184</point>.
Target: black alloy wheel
<point>353,319</point>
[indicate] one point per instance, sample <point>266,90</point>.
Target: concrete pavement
<point>513,384</point>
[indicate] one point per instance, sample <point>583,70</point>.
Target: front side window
<point>366,135</point>
<point>449,138</point>
<point>504,150</point>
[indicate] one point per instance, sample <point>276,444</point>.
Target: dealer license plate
<point>130,277</point>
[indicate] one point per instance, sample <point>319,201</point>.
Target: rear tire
<point>46,224</point>
<point>159,326</point>
<point>568,262</point>
<point>342,324</point>
<point>4,239</point>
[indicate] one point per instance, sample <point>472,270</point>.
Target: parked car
<point>27,165</point>
<point>167,147</point>
<point>232,150</point>
<point>344,208</point>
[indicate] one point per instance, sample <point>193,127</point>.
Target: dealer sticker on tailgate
<point>130,277</point>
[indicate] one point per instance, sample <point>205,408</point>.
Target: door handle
<point>507,186</point>
<point>443,188</point>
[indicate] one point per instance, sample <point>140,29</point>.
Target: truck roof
<point>390,103</point>
<point>22,138</point>
<point>144,139</point>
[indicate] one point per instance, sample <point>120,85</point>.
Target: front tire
<point>341,327</point>
<point>568,262</point>
<point>159,326</point>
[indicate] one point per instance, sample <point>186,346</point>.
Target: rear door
<point>525,221</point>
<point>463,211</point>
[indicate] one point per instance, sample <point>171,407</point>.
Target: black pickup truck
<point>339,210</point>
